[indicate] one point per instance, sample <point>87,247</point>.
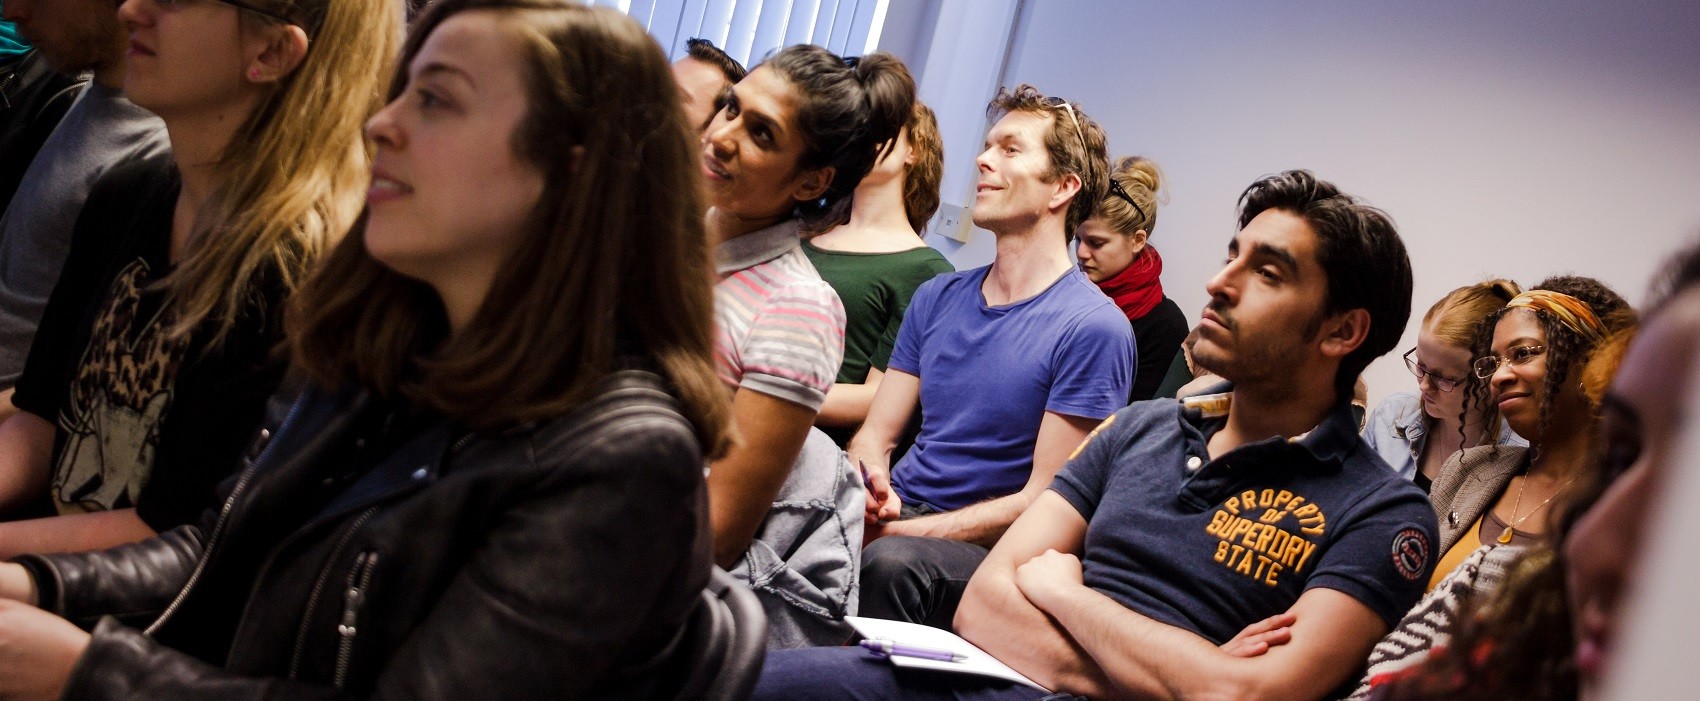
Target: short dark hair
<point>705,51</point>
<point>1084,153</point>
<point>849,110</point>
<point>1359,250</point>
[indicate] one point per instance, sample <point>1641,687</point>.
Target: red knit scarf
<point>1137,290</point>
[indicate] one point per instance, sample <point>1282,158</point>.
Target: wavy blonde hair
<point>1143,181</point>
<point>1454,319</point>
<point>293,177</point>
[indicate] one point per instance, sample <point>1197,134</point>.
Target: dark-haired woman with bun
<point>793,138</point>
<point>1114,251</point>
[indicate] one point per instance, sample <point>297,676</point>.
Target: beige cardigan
<point>1468,485</point>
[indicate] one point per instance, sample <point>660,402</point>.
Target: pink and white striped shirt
<point>780,327</point>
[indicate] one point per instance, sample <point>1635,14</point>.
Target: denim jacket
<point>1398,427</point>
<point>805,560</point>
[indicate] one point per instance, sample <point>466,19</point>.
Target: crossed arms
<point>1027,607</point>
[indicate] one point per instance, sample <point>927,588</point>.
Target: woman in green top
<point>874,258</point>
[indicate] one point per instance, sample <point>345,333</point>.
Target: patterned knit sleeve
<point>796,344</point>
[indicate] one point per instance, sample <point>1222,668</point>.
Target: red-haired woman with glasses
<point>1415,432</point>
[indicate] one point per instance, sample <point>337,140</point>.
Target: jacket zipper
<point>359,579</point>
<point>218,525</point>
<point>6,89</point>
<point>319,585</point>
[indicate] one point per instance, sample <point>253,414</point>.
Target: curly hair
<point>1518,643</point>
<point>922,178</point>
<point>1076,146</point>
<point>1567,349</point>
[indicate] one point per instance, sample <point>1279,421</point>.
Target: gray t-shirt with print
<point>101,130</point>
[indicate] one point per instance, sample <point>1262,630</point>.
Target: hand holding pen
<point>887,648</point>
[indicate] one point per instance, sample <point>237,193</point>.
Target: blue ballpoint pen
<point>891,649</point>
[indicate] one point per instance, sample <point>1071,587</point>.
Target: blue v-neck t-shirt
<point>989,373</point>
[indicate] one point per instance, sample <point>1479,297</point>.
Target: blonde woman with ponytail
<point>160,345</point>
<point>1415,432</point>
<point>1114,249</point>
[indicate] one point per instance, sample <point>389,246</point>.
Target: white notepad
<point>977,662</point>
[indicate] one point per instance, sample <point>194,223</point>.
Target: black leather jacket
<point>560,560</point>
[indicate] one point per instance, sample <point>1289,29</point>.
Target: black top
<point>33,99</point>
<point>360,556</point>
<point>143,420</point>
<point>1158,336</point>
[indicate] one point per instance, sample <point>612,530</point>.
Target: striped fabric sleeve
<point>795,344</point>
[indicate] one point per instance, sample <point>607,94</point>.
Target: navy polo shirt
<point>1212,546</point>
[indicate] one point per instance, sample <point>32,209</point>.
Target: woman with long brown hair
<point>1539,358</point>
<point>492,486</point>
<point>156,353</point>
<point>1529,360</point>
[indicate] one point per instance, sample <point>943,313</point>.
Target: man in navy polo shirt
<point>1178,523</point>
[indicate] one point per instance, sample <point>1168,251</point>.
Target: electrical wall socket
<point>953,222</point>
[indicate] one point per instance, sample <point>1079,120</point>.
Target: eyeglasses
<point>1441,382</point>
<point>1117,190</point>
<point>1486,366</point>
<point>240,5</point>
<point>1060,103</point>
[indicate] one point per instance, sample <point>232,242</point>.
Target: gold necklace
<point>1505,536</point>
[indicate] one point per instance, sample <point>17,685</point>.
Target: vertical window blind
<point>749,30</point>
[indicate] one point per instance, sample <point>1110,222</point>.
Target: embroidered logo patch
<point>1410,553</point>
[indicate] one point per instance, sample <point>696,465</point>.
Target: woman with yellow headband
<point>1494,501</point>
<point>1529,359</point>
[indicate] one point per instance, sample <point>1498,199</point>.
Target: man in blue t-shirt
<point>1175,524</point>
<point>1011,364</point>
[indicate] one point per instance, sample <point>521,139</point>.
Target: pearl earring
<point>253,74</point>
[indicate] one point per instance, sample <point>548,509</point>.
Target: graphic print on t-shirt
<point>121,394</point>
<point>1264,534</point>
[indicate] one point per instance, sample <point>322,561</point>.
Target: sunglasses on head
<point>240,5</point>
<point>1062,104</point>
<point>1117,190</point>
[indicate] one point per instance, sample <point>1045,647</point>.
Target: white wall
<point>1517,138</point>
